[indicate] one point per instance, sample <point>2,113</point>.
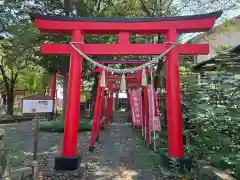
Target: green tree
<point>17,53</point>
<point>33,80</point>
<point>19,47</point>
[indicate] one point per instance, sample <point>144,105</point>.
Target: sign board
<point>37,104</point>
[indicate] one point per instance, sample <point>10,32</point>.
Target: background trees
<point>211,108</point>
<point>17,54</point>
<point>24,39</point>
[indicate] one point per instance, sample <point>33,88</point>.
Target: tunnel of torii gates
<point>171,27</point>
<point>133,81</point>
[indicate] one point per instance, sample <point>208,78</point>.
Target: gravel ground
<point>118,155</point>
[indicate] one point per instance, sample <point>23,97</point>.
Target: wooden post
<point>53,91</point>
<point>95,118</point>
<point>106,110</point>
<point>147,131</point>
<point>100,112</point>
<point>35,149</point>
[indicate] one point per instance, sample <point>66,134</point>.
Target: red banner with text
<point>136,107</point>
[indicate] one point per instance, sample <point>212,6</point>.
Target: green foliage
<point>18,49</point>
<point>212,118</point>
<point>34,82</point>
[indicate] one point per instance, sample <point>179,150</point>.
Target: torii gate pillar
<point>69,160</point>
<point>174,116</point>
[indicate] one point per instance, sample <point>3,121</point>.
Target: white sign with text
<point>37,106</point>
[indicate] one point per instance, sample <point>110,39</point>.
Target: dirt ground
<point>119,154</point>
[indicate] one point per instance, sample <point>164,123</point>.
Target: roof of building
<point>229,60</point>
<point>213,30</point>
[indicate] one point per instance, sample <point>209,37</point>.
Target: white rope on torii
<point>122,71</point>
<point>126,70</point>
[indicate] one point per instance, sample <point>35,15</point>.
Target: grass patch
<point>84,124</point>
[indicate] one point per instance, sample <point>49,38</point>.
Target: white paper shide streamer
<point>123,83</point>
<point>144,78</point>
<point>103,79</point>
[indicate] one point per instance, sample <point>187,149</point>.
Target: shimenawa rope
<point>122,71</point>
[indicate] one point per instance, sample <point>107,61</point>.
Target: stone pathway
<point>119,154</point>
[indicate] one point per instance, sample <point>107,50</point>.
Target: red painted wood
<point>17,91</point>
<point>127,80</point>
<point>129,107</point>
<point>118,85</point>
<point>60,73</point>
<point>146,106</point>
<point>111,103</point>
<point>118,77</point>
<point>123,61</point>
<point>100,111</point>
<point>95,118</point>
<point>174,117</point>
<point>53,85</point>
<point>99,70</point>
<point>106,111</point>
<point>155,100</point>
<point>124,49</point>
<point>139,77</point>
<point>73,101</point>
<point>123,37</point>
<point>53,89</point>
<point>66,27</point>
<point>170,28</point>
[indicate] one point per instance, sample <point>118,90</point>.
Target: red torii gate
<point>111,87</point>
<point>99,104</point>
<point>137,85</point>
<point>170,26</point>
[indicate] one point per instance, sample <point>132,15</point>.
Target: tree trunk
<point>4,99</point>
<point>67,7</point>
<point>10,100</point>
<point>9,85</point>
<point>157,78</point>
<point>160,64</point>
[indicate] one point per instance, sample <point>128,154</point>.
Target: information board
<point>37,106</point>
